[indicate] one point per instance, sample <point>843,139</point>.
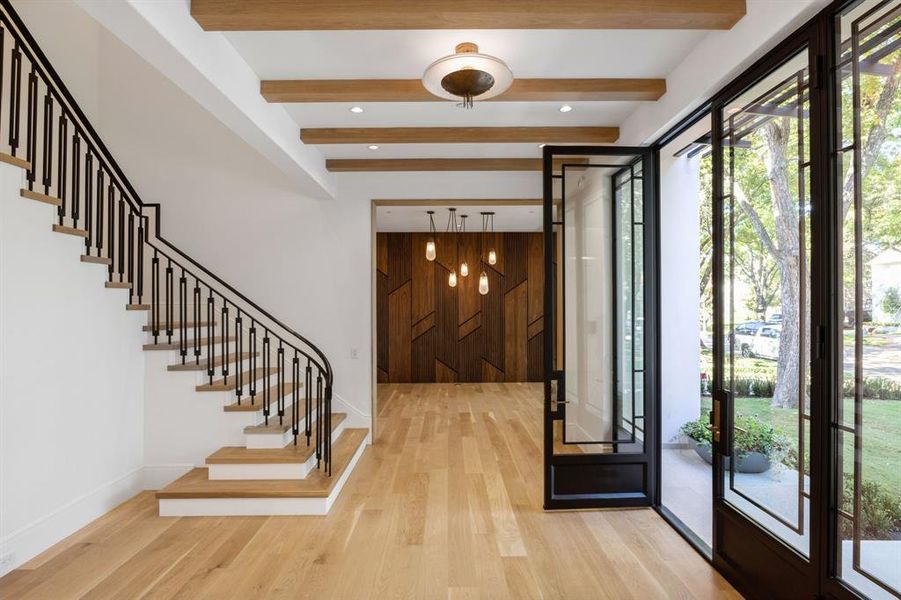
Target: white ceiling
<point>415,218</point>
<point>406,54</point>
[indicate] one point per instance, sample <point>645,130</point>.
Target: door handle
<point>719,422</point>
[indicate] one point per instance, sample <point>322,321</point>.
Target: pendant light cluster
<point>456,228</point>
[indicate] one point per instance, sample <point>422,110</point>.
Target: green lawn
<point>881,434</point>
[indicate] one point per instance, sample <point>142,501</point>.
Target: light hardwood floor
<point>445,504</point>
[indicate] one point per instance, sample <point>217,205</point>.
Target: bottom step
<point>194,495</point>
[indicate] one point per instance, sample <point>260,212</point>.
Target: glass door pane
<point>867,421</point>
<point>766,237</point>
<point>603,298</point>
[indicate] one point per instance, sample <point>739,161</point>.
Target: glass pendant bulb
<point>483,283</point>
<point>464,269</point>
<point>492,257</point>
<point>452,278</point>
<point>430,250</point>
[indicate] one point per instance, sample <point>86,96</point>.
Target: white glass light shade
<point>430,250</point>
<point>464,269</point>
<point>483,283</point>
<point>441,68</point>
<point>452,279</point>
<point>492,257</point>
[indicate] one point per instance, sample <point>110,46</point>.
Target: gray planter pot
<point>749,462</point>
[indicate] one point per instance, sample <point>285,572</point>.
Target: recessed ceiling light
<point>565,108</point>
<point>356,109</point>
<point>373,147</point>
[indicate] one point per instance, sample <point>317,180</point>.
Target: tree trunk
<point>785,209</point>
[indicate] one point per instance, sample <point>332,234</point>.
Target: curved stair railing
<point>192,309</point>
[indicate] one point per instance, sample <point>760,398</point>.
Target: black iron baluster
<point>295,410</point>
<point>31,142</point>
<point>140,259</point>
<point>110,227</point>
<point>308,401</point>
<point>223,343</point>
<point>170,293</point>
<point>155,296</point>
<point>318,418</point>
<point>196,321</point>
<point>280,382</point>
<point>99,229</point>
<point>76,178</point>
<point>183,316</point>
<point>131,257</point>
<point>253,362</point>
<point>121,244</point>
<point>328,422</point>
<point>267,361</point>
<point>210,317</point>
<point>15,98</point>
<point>88,200</point>
<point>61,159</point>
<point>239,348</point>
<point>47,171</point>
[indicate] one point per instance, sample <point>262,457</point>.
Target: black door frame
<point>598,475</point>
<point>818,577</point>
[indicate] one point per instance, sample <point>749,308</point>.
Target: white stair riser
<point>261,441</point>
<point>254,471</point>
<point>226,507</point>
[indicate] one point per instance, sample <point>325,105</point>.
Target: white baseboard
<point>156,477</point>
<point>22,545</point>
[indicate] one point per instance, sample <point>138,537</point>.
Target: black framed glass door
<point>599,249</point>
<point>767,205</point>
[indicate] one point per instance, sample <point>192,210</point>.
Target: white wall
<point>71,376</point>
<point>679,291</point>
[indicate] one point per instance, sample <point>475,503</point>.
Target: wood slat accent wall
<point>428,332</point>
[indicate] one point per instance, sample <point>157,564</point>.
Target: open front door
<point>599,224</point>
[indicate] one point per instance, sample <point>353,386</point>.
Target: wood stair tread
<point>196,483</point>
<point>257,405</point>
<point>275,427</point>
<point>118,285</point>
<point>137,307</point>
<point>176,326</point>
<point>239,455</point>
<point>220,385</point>
<point>175,345</point>
<point>216,362</point>
<point>70,230</point>
<point>15,160</point>
<point>32,195</point>
<point>97,260</point>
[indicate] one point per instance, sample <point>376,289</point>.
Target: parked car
<point>766,342</point>
<point>744,336</point>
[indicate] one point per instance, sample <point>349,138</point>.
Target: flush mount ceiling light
<point>373,147</point>
<point>565,108</point>
<point>466,75</point>
<point>356,109</point>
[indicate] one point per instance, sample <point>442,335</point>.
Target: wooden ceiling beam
<point>412,90</point>
<point>369,165</point>
<point>460,135</point>
<point>313,15</point>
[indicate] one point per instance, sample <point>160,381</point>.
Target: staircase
<point>273,384</point>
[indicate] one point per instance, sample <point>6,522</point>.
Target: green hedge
<point>874,388</point>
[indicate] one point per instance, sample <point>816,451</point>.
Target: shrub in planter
<point>755,443</point>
